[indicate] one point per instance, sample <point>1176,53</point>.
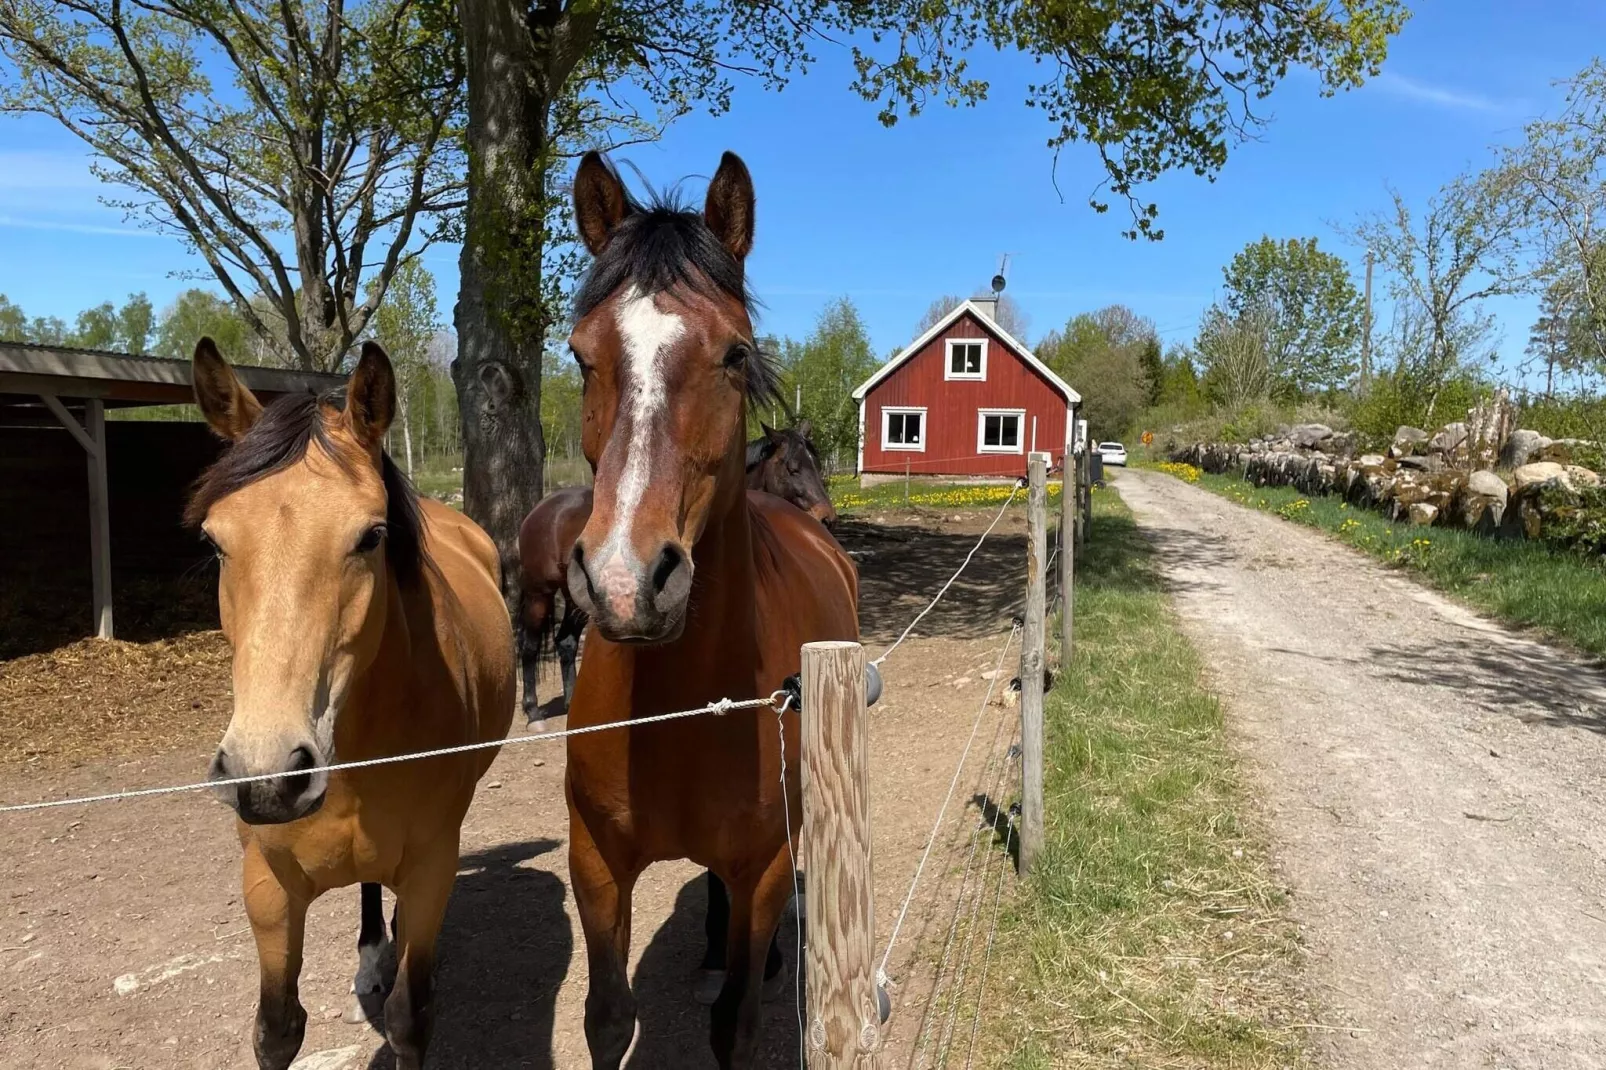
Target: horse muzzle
<point>630,601</point>
<point>298,791</point>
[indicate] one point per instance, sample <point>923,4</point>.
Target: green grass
<point>1150,933</point>
<point>442,476</point>
<point>1555,591</point>
<point>850,498</point>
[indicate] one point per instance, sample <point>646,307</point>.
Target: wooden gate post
<point>1067,577</point>
<point>844,1016</point>
<point>1031,661</point>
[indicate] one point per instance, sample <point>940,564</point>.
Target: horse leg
<point>738,1013</point>
<point>278,919</point>
<point>716,923</point>
<point>530,675</point>
<point>376,958</point>
<point>568,645</point>
<point>421,896</point>
<point>602,897</point>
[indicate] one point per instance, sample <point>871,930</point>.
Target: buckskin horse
<point>365,622</point>
<point>697,589</point>
<point>782,462</point>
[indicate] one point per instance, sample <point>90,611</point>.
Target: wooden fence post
<point>844,1017</point>
<point>1068,495</point>
<point>1031,661</point>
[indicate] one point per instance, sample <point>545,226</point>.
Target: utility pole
<point>1366,337</point>
<point>797,407</point>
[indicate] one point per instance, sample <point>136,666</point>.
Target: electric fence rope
<point>992,933</point>
<point>963,565</point>
<point>723,706</point>
<point>936,827</point>
<point>999,761</point>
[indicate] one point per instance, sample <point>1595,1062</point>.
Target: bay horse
<point>782,461</point>
<point>365,622</point>
<point>696,588</point>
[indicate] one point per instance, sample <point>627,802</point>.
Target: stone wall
<point>1480,475</point>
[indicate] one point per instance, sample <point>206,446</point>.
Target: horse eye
<point>737,355</point>
<point>585,369</point>
<point>213,546</point>
<point>371,539</point>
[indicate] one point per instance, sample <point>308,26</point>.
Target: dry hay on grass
<point>102,698</point>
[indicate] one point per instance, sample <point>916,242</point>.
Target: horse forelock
<point>288,427</point>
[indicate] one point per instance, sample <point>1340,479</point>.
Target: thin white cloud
<point>1398,85</point>
<point>76,228</point>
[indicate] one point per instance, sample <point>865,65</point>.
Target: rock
<point>1452,438</point>
<point>1410,436</point>
<point>1481,513</point>
<point>1422,514</point>
<point>1539,473</point>
<point>1488,484</point>
<point>1522,447</point>
<point>1426,463</point>
<point>1372,460</point>
<point>1562,450</point>
<point>1581,477</point>
<point>1310,436</point>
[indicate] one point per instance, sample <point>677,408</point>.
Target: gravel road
<point>1435,786</point>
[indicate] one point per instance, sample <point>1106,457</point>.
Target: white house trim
<point>948,359</point>
<point>890,411</point>
<point>981,430</point>
<point>1020,350</point>
<point>860,468</point>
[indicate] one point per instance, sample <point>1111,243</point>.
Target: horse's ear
<point>371,396</point>
<point>229,407</point>
<point>805,427</point>
<point>600,204</point>
<point>729,208</point>
<point>772,434</point>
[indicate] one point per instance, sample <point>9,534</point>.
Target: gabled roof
<point>988,324</point>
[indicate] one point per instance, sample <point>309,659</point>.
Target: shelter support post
<point>91,435</point>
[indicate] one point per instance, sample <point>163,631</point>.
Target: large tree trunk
<point>499,315</point>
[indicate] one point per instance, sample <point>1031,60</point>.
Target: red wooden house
<point>964,399</point>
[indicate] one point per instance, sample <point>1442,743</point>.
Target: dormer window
<point>967,358</point>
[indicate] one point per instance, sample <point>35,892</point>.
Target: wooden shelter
<point>51,392</point>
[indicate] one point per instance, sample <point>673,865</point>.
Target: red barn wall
<point>951,406</point>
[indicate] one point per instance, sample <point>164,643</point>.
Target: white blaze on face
<point>647,332</point>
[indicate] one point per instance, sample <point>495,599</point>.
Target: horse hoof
<point>536,724</point>
<point>708,986</point>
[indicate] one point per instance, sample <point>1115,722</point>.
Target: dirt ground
<point>123,943</point>
<point>1434,789</point>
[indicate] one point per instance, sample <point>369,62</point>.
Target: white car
<point>1113,453</point>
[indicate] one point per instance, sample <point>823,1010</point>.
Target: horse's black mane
<point>280,438</point>
<point>665,244</point>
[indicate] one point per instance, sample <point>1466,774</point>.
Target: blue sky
<point>895,217</point>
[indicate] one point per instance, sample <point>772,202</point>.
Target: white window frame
<point>948,359</point>
<point>1020,431</point>
<point>888,412</point>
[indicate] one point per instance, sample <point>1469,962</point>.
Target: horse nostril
<point>668,562</point>
<point>302,762</point>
